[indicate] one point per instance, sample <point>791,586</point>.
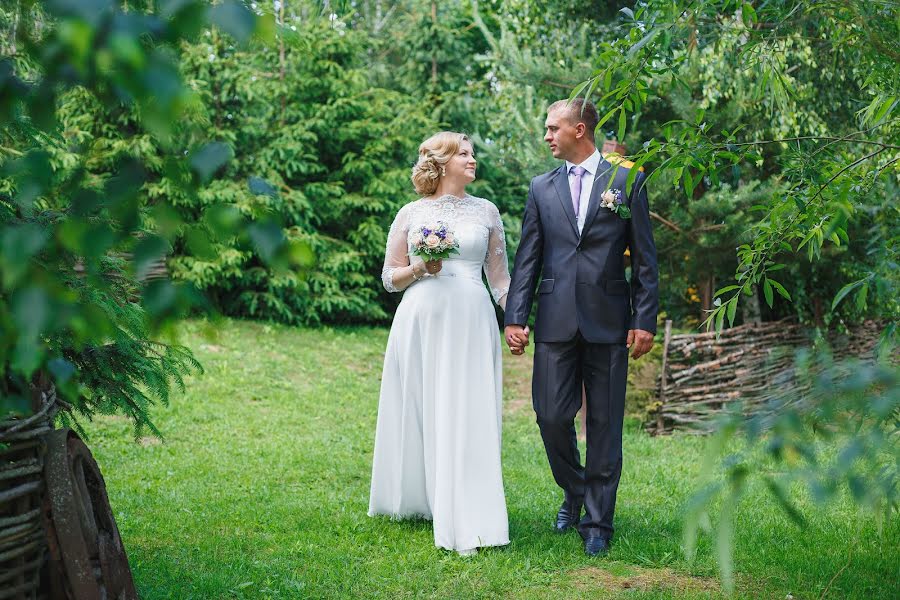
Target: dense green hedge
<point>336,153</point>
<point>321,123</point>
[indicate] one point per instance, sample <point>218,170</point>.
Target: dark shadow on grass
<point>489,550</point>
<point>417,523</point>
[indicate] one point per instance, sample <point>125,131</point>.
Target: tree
<point>838,164</point>
<point>829,173</point>
<point>78,230</point>
<point>301,114</point>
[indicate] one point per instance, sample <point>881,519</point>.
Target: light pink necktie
<point>575,188</point>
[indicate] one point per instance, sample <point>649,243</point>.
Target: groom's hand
<point>639,341</point>
<point>516,338</point>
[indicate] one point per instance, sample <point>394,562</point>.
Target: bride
<point>437,441</point>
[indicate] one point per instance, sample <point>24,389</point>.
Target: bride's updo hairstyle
<point>433,155</point>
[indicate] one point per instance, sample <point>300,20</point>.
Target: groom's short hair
<point>579,111</point>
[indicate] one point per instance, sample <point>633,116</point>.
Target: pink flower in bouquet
<point>434,241</point>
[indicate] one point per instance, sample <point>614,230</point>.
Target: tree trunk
<point>281,61</point>
<point>751,309</point>
<point>12,32</point>
<point>706,288</point>
<point>818,311</point>
<point>434,71</point>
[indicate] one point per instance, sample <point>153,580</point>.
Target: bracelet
<point>415,277</point>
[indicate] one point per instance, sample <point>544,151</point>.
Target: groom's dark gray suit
<point>585,309</point>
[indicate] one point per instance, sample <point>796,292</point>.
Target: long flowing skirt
<point>437,441</point>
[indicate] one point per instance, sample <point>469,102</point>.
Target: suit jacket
<point>582,283</point>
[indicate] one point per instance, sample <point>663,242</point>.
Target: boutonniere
<point>612,199</point>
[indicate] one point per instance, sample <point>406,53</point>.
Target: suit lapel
<point>604,172</point>
<point>561,183</point>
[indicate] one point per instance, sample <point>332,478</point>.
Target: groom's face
<point>562,133</point>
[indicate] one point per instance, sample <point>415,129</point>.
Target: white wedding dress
<point>437,441</point>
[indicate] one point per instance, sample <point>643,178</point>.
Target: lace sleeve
<point>395,255</point>
<point>496,266</point>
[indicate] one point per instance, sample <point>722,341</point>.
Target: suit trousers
<point>559,370</point>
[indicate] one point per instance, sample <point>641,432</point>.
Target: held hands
<point>516,338</point>
<point>640,342</point>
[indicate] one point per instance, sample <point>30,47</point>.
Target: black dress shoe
<point>567,517</point>
<point>596,545</point>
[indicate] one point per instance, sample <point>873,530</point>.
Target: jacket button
<point>577,248</point>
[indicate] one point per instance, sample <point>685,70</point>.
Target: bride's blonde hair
<point>434,153</point>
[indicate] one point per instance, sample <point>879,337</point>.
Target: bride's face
<point>462,165</point>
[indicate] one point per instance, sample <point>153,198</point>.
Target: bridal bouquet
<point>433,242</point>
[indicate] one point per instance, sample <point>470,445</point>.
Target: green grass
<point>260,490</point>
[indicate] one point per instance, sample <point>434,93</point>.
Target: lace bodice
<point>476,224</point>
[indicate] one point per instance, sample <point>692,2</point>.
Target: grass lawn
<point>260,490</point>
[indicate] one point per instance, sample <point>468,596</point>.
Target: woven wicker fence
<point>702,373</point>
<point>58,536</point>
<point>23,544</point>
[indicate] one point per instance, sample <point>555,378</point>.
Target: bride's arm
<point>496,266</point>
<point>397,273</point>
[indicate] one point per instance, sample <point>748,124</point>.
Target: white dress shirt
<point>591,164</point>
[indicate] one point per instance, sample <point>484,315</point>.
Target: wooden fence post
<point>660,422</point>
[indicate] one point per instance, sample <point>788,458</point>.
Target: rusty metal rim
<point>66,520</point>
<point>83,538</point>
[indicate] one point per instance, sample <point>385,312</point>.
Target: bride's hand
<point>433,266</point>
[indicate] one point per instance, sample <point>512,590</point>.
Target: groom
<point>578,222</point>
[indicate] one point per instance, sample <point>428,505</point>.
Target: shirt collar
<point>590,164</point>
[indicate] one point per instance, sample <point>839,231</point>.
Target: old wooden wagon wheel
<point>83,537</point>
